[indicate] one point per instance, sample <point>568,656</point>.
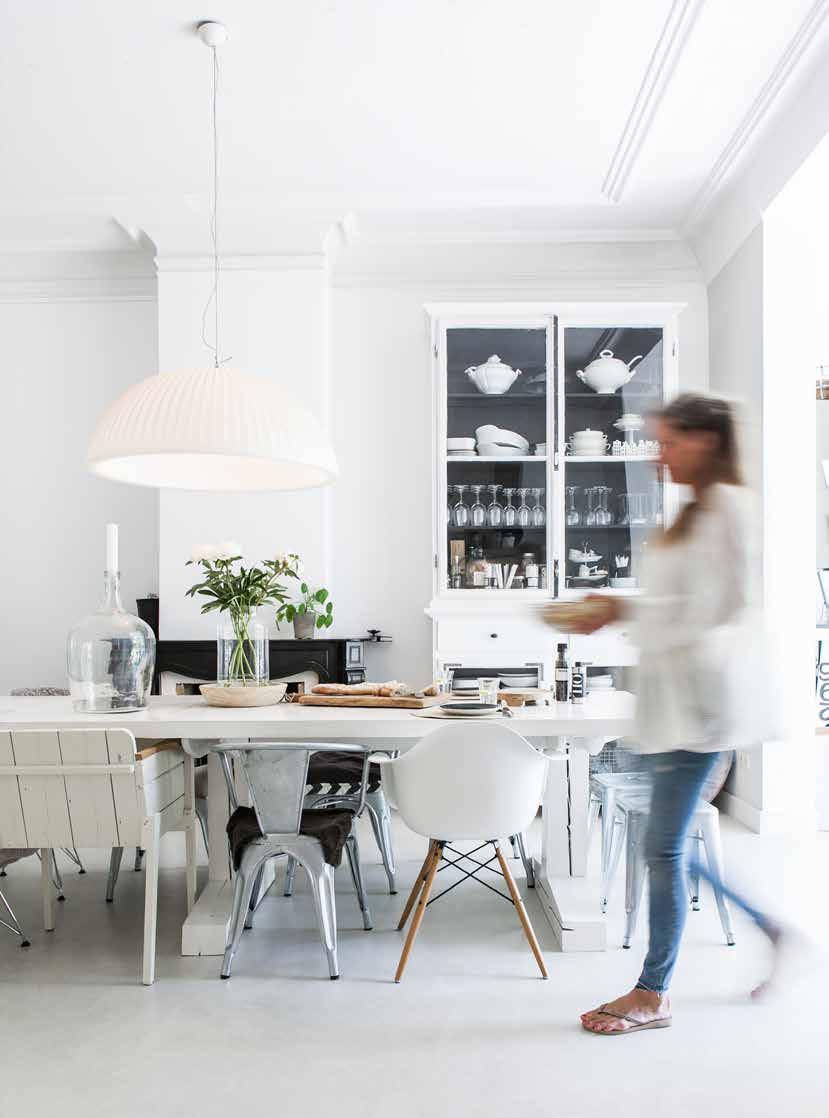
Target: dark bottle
<point>562,675</point>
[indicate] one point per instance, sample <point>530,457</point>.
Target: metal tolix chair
<point>276,824</point>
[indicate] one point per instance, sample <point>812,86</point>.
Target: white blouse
<point>701,661</point>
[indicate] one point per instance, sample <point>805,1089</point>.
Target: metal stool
<point>604,788</point>
<point>632,809</point>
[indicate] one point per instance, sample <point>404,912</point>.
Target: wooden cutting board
<point>408,702</point>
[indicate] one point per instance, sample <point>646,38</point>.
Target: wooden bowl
<point>237,695</point>
<point>512,699</point>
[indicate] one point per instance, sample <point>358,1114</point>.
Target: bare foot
<point>640,1006</point>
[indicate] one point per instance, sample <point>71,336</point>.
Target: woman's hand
<point>587,616</point>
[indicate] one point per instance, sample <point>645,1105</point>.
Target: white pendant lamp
<point>216,428</point>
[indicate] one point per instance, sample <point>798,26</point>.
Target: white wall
<point>382,400</point>
<point>274,323</point>
<point>735,332</point>
<point>68,349</point>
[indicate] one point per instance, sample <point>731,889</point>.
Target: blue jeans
<point>678,778</point>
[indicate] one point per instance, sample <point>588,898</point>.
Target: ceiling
<point>442,119</point>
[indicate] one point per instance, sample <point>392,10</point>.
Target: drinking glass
<point>590,518</point>
<point>525,515</point>
<point>495,513</point>
<point>460,512</point>
<point>638,512</point>
<point>573,514</point>
<point>510,511</point>
<point>488,689</point>
<point>447,676</point>
<point>477,513</point>
<point>603,514</point>
<point>539,517</point>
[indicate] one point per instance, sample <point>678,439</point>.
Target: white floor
<point>472,1030</point>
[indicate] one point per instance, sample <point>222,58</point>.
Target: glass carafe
<point>495,512</point>
<point>477,568</point>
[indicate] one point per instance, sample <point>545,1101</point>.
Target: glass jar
<point>110,657</point>
<point>477,569</point>
<point>242,651</point>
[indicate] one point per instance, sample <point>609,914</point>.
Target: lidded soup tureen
<point>494,377</point>
<point>607,373</point>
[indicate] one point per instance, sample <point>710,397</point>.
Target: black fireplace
<point>335,661</point>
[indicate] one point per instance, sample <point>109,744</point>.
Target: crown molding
<point>757,113</point>
<point>655,81</point>
<point>79,289</point>
<point>291,262</point>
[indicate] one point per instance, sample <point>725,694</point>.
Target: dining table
<point>569,733</point>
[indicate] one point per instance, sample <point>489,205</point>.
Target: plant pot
<point>305,626</point>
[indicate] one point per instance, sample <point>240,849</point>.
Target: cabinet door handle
<point>494,636</point>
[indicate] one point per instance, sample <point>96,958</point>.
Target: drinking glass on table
<point>447,678</point>
<point>488,689</point>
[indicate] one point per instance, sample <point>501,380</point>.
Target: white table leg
<point>204,932</point>
<point>570,901</point>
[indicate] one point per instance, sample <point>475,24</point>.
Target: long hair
<point>694,412</point>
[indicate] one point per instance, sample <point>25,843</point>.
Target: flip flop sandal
<point>634,1026</point>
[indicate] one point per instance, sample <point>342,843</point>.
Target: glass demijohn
<point>110,654</point>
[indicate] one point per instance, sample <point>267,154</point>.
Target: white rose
<point>227,549</point>
<point>280,558</point>
<point>204,553</point>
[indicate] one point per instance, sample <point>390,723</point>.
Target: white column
<point>274,322</point>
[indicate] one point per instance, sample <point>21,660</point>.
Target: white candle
<point>112,548</point>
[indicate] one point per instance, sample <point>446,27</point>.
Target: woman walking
<point>696,577</point>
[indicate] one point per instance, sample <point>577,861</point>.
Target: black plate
<point>469,706</point>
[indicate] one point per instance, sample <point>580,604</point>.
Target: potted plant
<point>313,611</point>
<point>237,591</point>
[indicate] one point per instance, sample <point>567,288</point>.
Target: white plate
<point>468,709</point>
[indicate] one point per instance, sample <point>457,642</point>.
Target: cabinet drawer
<point>610,647</point>
<point>485,635</point>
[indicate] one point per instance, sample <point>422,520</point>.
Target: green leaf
<point>304,588</point>
<point>321,595</point>
<point>329,609</point>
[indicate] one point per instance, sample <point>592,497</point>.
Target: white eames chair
<point>471,782</point>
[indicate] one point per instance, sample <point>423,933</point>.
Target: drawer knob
<point>494,636</point>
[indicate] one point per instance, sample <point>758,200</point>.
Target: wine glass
<point>510,511</point>
<point>590,518</point>
<point>525,515</point>
<point>494,513</point>
<point>603,514</point>
<point>477,513</point>
<point>539,517</point>
<point>460,511</point>
<point>573,518</point>
<point>624,508</point>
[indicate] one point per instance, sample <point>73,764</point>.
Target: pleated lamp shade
<point>216,429</point>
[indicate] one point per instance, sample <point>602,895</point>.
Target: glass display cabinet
<point>545,481</point>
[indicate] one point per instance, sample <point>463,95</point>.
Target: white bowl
<point>491,434</point>
<point>460,444</point>
<point>623,582</point>
<point>493,450</point>
<point>541,449</point>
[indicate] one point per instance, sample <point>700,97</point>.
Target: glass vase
<point>242,652</point>
<point>110,657</point>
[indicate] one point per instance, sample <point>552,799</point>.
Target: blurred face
<point>686,454</point>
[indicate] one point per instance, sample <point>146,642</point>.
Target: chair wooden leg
<point>522,912</point>
<point>436,855</point>
<point>417,887</point>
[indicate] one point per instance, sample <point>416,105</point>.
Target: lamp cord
<point>213,298</point>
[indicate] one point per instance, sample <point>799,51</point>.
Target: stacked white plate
<point>456,447</point>
<point>588,444</point>
<point>495,442</point>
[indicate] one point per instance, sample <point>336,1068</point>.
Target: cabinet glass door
<point>613,494</point>
<point>497,431</point>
